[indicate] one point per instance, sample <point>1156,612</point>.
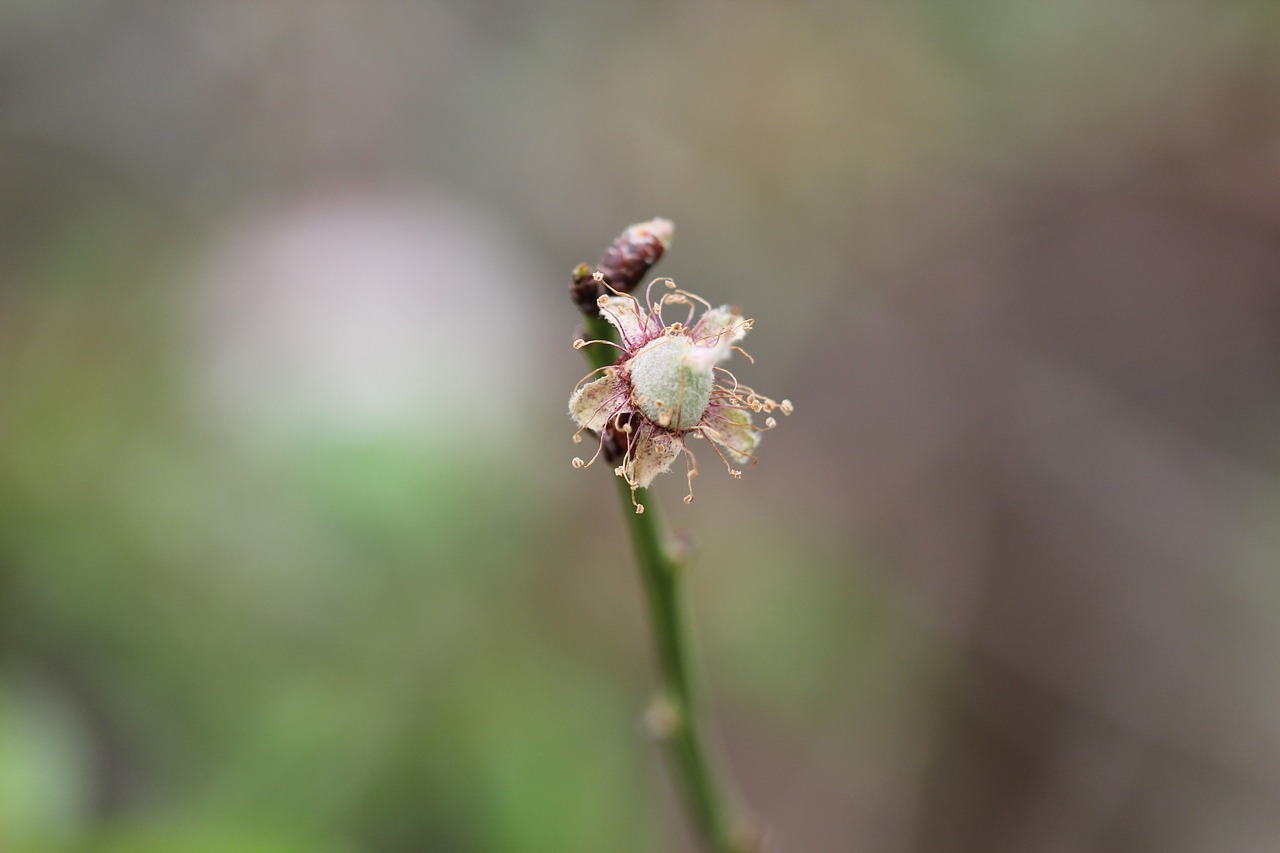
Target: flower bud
<point>624,264</point>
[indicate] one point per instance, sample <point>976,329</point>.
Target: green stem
<point>675,716</point>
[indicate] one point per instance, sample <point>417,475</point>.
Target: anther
<point>770,423</point>
<point>578,463</point>
<point>786,407</point>
<point>579,343</point>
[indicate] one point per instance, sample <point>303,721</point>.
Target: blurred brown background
<point>291,554</point>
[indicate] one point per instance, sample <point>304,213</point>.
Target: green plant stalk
<point>675,716</point>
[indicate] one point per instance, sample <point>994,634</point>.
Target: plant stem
<point>675,716</point>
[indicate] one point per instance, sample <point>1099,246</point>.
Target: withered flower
<point>667,386</point>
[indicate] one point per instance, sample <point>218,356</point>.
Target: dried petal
<point>624,313</point>
<point>721,326</point>
<point>715,334</point>
<point>594,403</point>
<point>655,450</point>
<point>732,430</point>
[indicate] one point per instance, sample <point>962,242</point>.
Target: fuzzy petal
<point>715,334</point>
<point>593,404</point>
<point>624,313</point>
<point>655,450</point>
<point>732,430</point>
<point>723,326</point>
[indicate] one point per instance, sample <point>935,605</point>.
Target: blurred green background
<point>292,557</point>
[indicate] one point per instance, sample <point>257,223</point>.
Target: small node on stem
<point>748,838</point>
<point>662,718</point>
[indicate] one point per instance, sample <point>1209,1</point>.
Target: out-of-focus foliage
<point>291,554</point>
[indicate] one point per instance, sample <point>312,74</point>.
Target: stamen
<point>577,439</point>
<point>697,298</point>
<point>736,383</point>
<point>692,469</point>
<point>656,310</point>
<point>735,474</point>
<point>580,343</point>
<point>648,291</point>
<point>682,297</point>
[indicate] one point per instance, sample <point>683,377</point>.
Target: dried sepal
<point>655,451</point>
<point>733,431</point>
<point>594,403</point>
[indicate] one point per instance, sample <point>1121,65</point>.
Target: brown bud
<point>624,264</point>
<point>584,290</point>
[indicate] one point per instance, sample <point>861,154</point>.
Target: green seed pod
<point>668,385</point>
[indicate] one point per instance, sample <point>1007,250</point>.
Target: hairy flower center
<point>668,386</point>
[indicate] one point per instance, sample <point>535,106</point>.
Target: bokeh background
<point>291,554</point>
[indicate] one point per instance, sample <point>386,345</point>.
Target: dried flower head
<point>668,386</point>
